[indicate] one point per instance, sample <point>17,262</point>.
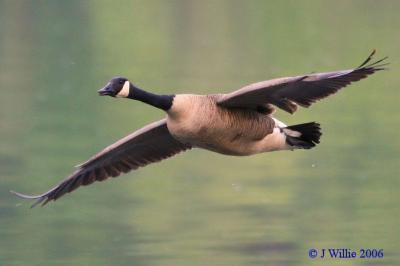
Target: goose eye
<point>121,82</point>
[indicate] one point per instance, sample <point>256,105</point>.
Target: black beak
<point>106,91</point>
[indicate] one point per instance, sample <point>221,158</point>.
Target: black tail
<point>303,136</point>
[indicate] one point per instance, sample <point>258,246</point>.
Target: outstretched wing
<point>150,144</point>
<point>287,93</point>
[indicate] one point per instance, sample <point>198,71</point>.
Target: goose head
<point>116,87</point>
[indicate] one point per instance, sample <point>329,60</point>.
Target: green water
<point>198,208</point>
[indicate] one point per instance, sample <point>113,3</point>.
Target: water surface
<point>197,208</point>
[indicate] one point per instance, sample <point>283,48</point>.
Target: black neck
<point>163,102</point>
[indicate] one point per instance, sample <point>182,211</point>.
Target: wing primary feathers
<point>24,196</point>
<point>375,65</point>
<point>368,59</point>
<point>38,198</point>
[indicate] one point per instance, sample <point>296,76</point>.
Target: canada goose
<point>238,123</point>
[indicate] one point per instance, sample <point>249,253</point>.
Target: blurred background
<point>199,208</point>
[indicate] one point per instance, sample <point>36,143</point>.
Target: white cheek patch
<point>124,92</point>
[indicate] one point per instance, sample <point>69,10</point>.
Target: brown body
<point>198,120</point>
